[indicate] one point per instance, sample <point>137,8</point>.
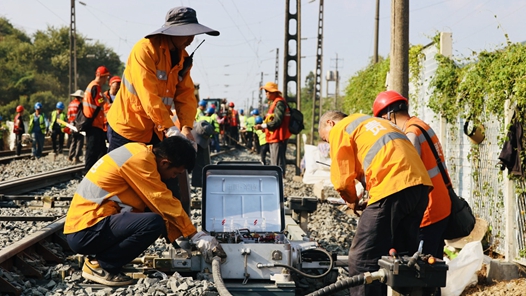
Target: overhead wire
<point>66,22</point>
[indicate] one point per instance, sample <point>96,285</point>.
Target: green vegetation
<point>36,68</point>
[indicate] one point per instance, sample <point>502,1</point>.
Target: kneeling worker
<point>122,206</point>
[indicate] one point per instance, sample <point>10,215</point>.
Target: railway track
<point>8,155</point>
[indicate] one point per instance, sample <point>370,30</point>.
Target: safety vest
<point>73,108</point>
<point>375,152</point>
<point>19,128</point>
<point>234,119</point>
<point>213,120</point>
<point>41,122</point>
<point>251,122</point>
<point>61,116</point>
<point>148,89</point>
<point>107,106</point>
<point>282,133</point>
<point>439,206</point>
<point>106,191</point>
<point>262,137</point>
<point>198,114</point>
<point>89,105</point>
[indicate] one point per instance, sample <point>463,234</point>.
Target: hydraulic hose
<point>329,269</point>
<point>218,280</point>
<point>354,281</point>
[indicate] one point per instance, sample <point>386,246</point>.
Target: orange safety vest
<point>89,105</point>
<point>233,118</point>
<point>377,153</point>
<point>16,128</point>
<point>439,206</point>
<point>282,133</point>
<point>149,88</point>
<point>107,106</point>
<point>73,108</point>
<point>106,190</point>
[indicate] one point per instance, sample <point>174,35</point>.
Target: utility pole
<point>316,100</point>
<point>260,107</point>
<point>399,74</point>
<point>376,29</point>
<point>337,80</point>
<point>276,72</point>
<point>72,51</point>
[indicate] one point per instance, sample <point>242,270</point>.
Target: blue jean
<point>118,239</point>
<point>38,143</point>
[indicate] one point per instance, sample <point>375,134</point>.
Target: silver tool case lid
<point>237,196</point>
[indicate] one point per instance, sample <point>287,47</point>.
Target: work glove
<point>172,131</point>
<point>209,246</point>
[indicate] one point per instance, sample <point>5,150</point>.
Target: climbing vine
<point>416,56</point>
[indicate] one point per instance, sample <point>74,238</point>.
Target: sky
<point>234,64</point>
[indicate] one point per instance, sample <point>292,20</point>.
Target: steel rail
<point>38,181</point>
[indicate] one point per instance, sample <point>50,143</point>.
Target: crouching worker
<point>122,206</point>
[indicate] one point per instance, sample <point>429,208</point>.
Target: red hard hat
<point>385,99</point>
<point>19,108</point>
<point>115,79</point>
<point>103,71</point>
<point>231,104</point>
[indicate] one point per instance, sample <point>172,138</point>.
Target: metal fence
<point>474,169</point>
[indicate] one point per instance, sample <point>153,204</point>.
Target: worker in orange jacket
<point>394,107</point>
<point>376,152</point>
<point>121,207</point>
<point>109,95</point>
<point>93,107</point>
<point>157,75</point>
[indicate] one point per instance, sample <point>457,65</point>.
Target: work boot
<point>93,272</point>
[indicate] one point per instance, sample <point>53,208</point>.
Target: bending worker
<point>373,150</point>
<point>157,75</point>
<point>394,107</point>
<point>121,207</point>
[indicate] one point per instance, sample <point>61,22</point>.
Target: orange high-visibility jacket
<point>149,87</point>
<point>374,150</point>
<point>90,103</point>
<point>281,133</point>
<point>439,206</point>
<point>126,179</point>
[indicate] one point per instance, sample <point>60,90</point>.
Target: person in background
<point>157,75</point>
<point>77,139</point>
<point>19,128</point>
<point>122,206</point>
<point>276,123</point>
<point>3,129</point>
<point>201,110</point>
<point>392,106</point>
<point>233,124</point>
<point>93,107</point>
<point>38,129</point>
<point>242,126</point>
<point>262,142</point>
<point>374,150</point>
<point>211,117</point>
<point>57,128</point>
<point>251,122</point>
<point>109,95</point>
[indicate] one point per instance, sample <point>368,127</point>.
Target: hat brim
<point>270,89</point>
<point>184,30</point>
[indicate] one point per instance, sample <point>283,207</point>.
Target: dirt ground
<point>504,288</point>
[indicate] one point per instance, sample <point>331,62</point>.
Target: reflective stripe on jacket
<point>281,132</point>
<point>373,150</point>
<point>73,108</point>
<point>18,126</point>
<point>149,87</point>
<point>234,118</point>
<point>126,179</point>
<point>41,121</point>
<point>61,116</point>
<point>439,206</point>
<point>90,104</point>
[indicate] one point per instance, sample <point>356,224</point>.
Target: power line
<point>65,22</point>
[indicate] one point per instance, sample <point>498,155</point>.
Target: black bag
<point>461,220</point>
<point>296,121</point>
<point>83,123</point>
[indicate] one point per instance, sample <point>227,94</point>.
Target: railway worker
<point>57,129</point>
<point>262,142</point>
<point>157,75</point>
<point>201,109</point>
<point>211,117</point>
<point>398,188</point>
<point>19,128</point>
<point>233,124</point>
<point>93,107</point>
<point>242,126</point>
<point>276,123</point>
<point>109,96</point>
<point>77,139</point>
<point>38,129</point>
<point>121,207</point>
<point>251,122</point>
<point>394,107</point>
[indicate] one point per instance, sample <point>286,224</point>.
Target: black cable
<point>340,285</point>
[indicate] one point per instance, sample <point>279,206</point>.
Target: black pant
<point>18,144</point>
<point>117,140</point>
<point>393,222</point>
<point>118,239</point>
<point>57,138</point>
<point>263,152</point>
<point>95,146</point>
<point>202,160</point>
<point>249,136</point>
<point>75,148</point>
